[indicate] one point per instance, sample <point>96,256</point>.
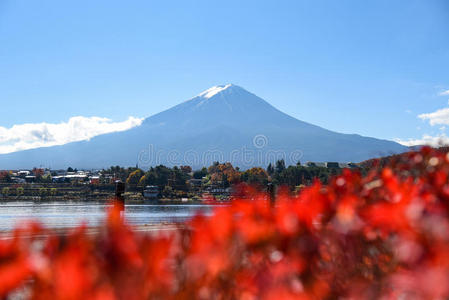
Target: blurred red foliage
<point>382,236</point>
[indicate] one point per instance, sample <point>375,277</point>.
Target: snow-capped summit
<point>209,93</point>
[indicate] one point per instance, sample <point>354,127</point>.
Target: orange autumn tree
<point>38,172</point>
<point>135,177</point>
<point>223,173</point>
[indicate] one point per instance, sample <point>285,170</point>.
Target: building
<point>195,184</point>
<point>94,180</point>
<point>18,180</point>
<point>23,173</point>
<point>58,179</point>
<point>315,164</point>
<point>30,178</point>
<point>332,165</point>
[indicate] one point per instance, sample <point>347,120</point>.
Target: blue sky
<point>367,67</point>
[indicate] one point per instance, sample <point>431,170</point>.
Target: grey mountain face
<point>224,123</point>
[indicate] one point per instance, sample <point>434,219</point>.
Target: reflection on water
<point>71,214</point>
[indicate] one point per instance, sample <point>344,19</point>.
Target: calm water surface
<point>71,214</point>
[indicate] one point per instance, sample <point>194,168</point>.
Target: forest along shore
<point>172,184</point>
<point>64,192</point>
<point>99,193</point>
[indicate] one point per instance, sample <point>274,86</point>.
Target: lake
<point>71,214</point>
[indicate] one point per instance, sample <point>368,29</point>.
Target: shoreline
<point>105,200</point>
<point>153,229</point>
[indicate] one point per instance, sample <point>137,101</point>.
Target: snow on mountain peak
<point>209,93</point>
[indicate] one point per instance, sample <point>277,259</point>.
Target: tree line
<point>224,175</point>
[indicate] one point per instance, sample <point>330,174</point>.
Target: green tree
<point>46,178</point>
<point>158,175</point>
<point>168,191</point>
<point>280,166</point>
<point>5,191</point>
<point>53,191</point>
<point>199,174</point>
<point>256,176</point>
<point>20,191</point>
<point>179,179</point>
<point>270,169</point>
<point>43,192</point>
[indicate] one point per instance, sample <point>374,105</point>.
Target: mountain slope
<point>225,123</point>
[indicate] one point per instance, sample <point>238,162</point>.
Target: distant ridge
<point>223,123</point>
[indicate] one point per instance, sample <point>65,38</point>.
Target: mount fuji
<point>223,123</point>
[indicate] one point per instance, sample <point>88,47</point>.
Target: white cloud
<point>29,136</point>
<point>439,117</point>
<point>444,93</point>
<point>435,141</point>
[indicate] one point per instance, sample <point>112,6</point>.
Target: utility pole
<point>271,194</point>
<point>119,190</point>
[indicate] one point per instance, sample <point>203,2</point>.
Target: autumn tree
<point>142,180</point>
<point>224,174</point>
<point>38,172</point>
<point>134,177</point>
<point>5,176</point>
<point>186,169</point>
